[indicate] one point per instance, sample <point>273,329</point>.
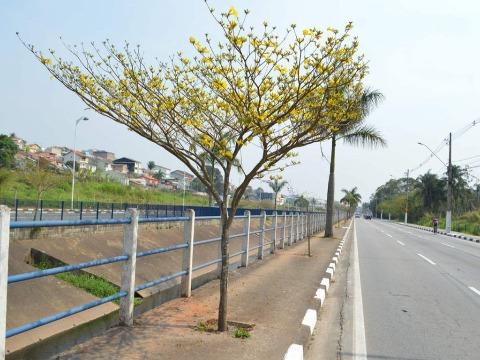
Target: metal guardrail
<point>33,210</point>
<point>300,225</point>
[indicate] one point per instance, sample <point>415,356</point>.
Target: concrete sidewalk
<point>272,294</point>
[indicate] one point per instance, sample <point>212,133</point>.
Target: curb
<point>295,350</point>
<point>458,236</point>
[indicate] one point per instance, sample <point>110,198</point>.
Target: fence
<point>23,209</point>
<point>292,227</point>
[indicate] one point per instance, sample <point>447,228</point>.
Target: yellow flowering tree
<point>249,88</point>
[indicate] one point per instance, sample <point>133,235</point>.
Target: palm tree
<point>277,185</point>
<point>351,198</point>
<point>432,190</point>
<point>151,165</point>
<point>356,134</point>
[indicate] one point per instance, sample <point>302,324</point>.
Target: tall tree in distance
<point>8,149</point>
<point>354,133</point>
<point>351,198</point>
<point>246,88</point>
<point>276,184</point>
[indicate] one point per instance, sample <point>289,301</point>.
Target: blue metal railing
<point>120,258</point>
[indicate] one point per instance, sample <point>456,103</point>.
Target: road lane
<point>412,308</point>
<point>458,263</point>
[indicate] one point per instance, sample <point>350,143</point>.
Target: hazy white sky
<point>424,57</point>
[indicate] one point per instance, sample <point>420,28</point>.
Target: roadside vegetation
<point>90,283</point>
<point>427,198</point>
<point>91,188</point>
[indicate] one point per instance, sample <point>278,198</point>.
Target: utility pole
<point>448,218</point>
<point>406,203</point>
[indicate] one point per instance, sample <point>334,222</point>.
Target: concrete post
<point>291,238</point>
<point>284,230</point>
<point>130,234</point>
<point>188,236</point>
<point>302,228</point>
<point>246,241</point>
<point>261,239</point>
<point>4,243</point>
<point>274,237</point>
<point>297,235</point>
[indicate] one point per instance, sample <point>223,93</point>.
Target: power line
<point>455,135</point>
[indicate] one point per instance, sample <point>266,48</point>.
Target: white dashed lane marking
<point>401,243</point>
<point>476,291</point>
<point>451,246</point>
<point>426,259</point>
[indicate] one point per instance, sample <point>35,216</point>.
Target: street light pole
<point>448,217</point>
<point>406,203</point>
<point>83,118</point>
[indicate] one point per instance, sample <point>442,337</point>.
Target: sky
<point>423,56</point>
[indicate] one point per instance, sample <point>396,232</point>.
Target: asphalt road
<point>420,294</point>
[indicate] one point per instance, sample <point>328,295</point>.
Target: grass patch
<point>206,326</point>
<point>92,284</point>
<point>241,333</point>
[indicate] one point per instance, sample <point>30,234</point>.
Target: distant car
<point>367,216</point>
<point>357,215</point>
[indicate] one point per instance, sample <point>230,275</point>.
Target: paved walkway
<point>273,294</point>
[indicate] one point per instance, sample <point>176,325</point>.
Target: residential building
<point>84,162</point>
<point>57,150</point>
<point>33,148</point>
<point>163,169</point>
<point>106,155</point>
<point>150,180</point>
<point>21,144</point>
<point>120,168</point>
<point>138,181</point>
<point>181,179</point>
<point>101,164</point>
<point>134,167</point>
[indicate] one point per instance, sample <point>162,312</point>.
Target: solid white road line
<point>426,259</point>
<point>359,342</point>
<point>474,290</point>
<point>401,243</point>
<point>451,246</point>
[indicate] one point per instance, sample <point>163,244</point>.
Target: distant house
<point>150,180</point>
<point>163,169</point>
<point>84,162</point>
<point>101,164</point>
<point>138,181</point>
<point>134,167</point>
<point>52,159</point>
<point>57,150</point>
<point>21,144</point>
<point>120,168</point>
<point>106,155</point>
<point>33,148</point>
<point>181,179</point>
<point>180,175</point>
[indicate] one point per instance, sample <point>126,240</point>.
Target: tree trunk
<point>222,306</point>
<point>330,192</point>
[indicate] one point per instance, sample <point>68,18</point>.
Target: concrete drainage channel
<point>458,236</point>
<point>295,350</point>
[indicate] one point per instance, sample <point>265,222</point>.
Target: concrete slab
<point>35,299</point>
